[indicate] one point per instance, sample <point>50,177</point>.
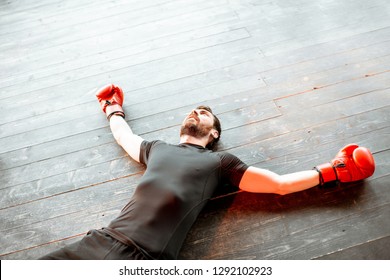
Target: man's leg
<point>96,245</point>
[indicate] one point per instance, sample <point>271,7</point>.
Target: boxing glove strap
<point>327,173</point>
<point>114,109</point>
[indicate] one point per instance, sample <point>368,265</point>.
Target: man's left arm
<point>352,163</point>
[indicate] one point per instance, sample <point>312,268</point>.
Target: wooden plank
<point>336,46</point>
<point>308,38</point>
<point>67,57</point>
<point>377,249</point>
<point>52,17</point>
<point>15,7</point>
<point>46,56</point>
<point>337,109</point>
<point>372,53</point>
<point>282,21</point>
<point>197,62</point>
<point>125,57</point>
<point>34,253</point>
<point>115,25</point>
<point>38,56</point>
<point>332,236</point>
<point>382,37</point>
<point>70,181</point>
<point>45,229</point>
<point>84,200</point>
<point>155,29</point>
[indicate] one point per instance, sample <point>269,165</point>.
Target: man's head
<point>201,123</point>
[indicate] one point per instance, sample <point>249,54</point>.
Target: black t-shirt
<point>177,183</point>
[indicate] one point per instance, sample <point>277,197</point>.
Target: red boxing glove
<point>111,98</point>
<point>352,163</point>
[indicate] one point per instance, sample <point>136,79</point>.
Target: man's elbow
<point>283,187</point>
<point>282,192</point>
<point>118,138</point>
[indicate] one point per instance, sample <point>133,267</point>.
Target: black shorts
<point>96,245</point>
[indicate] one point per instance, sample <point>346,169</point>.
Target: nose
<point>194,112</point>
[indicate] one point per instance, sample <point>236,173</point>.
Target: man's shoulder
<point>151,143</point>
<point>147,147</point>
<point>224,154</point>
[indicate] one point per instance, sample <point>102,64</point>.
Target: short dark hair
<point>216,126</point>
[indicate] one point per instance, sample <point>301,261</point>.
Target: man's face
<point>198,123</point>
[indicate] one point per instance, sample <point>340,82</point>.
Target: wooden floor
<point>292,81</point>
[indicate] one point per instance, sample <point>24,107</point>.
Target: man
<point>180,179</point>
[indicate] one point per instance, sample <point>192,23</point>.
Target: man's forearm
<point>119,127</point>
<point>299,181</point>
<point>125,137</point>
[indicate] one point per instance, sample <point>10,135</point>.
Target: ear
<point>214,133</point>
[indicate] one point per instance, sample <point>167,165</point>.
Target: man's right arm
<point>111,99</point>
<point>125,137</point>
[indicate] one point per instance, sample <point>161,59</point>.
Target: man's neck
<point>193,140</point>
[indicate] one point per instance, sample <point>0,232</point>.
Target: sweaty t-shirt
<point>177,183</point>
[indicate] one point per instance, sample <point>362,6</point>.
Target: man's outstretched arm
<point>352,163</point>
<point>111,98</point>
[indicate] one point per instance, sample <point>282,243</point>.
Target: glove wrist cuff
<point>114,109</point>
<point>327,173</point>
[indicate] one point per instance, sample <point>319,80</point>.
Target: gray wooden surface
<point>291,80</point>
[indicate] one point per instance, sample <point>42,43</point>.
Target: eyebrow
<point>206,111</point>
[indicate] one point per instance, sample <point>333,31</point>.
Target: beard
<point>194,130</point>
